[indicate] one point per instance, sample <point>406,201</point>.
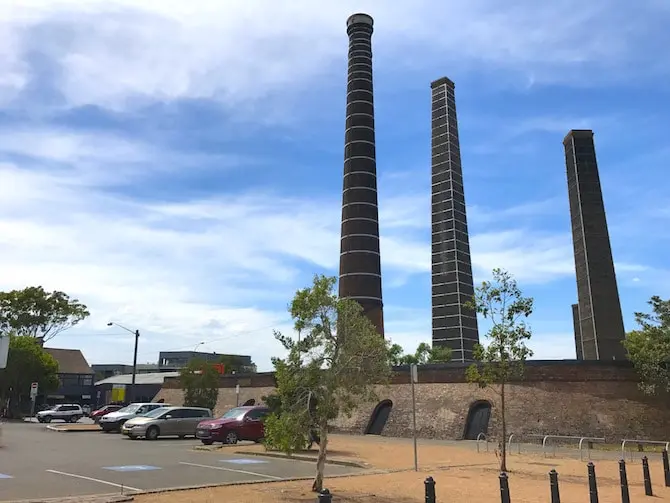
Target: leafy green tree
<point>27,362</point>
<point>38,313</point>
<point>334,367</point>
<point>234,364</point>
<point>649,347</point>
<point>424,354</point>
<point>200,383</point>
<point>503,305</point>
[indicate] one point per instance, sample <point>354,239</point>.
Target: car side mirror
<point>169,416</point>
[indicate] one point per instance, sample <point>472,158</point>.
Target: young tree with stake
<point>334,367</point>
<point>502,304</point>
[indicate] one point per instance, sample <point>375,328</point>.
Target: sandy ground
<point>461,473</point>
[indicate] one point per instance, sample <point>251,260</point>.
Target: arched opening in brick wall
<point>379,417</point>
<point>249,403</point>
<point>478,419</point>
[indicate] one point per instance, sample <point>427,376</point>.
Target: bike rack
<point>570,437</point>
<point>640,442</point>
<point>482,436</point>
<point>509,445</point>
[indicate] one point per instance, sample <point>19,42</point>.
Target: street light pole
<point>136,333</point>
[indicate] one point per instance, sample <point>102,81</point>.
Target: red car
<point>240,423</point>
<point>97,414</point>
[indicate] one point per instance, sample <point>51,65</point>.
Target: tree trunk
<point>503,450</point>
<point>317,486</point>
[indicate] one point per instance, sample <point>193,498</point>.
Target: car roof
<point>175,407</point>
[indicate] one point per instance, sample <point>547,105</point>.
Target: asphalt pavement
<point>37,463</point>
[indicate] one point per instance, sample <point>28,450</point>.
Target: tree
<point>649,347</point>
<point>27,362</point>
<point>200,382</point>
<point>234,364</point>
<point>424,354</point>
<point>37,313</point>
<point>335,366</point>
<point>501,303</point>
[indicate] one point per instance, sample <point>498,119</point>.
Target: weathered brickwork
<point>563,398</point>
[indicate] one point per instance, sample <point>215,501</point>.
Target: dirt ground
<point>461,474</point>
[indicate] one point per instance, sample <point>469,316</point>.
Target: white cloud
<point>244,50</point>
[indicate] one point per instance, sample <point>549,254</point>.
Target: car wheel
<point>152,433</point>
<point>74,419</point>
<point>231,437</point>
<point>47,419</point>
<point>207,442</point>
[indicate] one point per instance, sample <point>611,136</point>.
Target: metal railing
<point>509,445</point>
<point>482,436</point>
<point>640,443</point>
<point>589,440</point>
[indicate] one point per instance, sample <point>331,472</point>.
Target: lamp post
<point>197,346</point>
<point>136,333</point>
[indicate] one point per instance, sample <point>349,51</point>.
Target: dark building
<point>454,324</point>
<point>360,268</point>
<point>75,379</point>
<point>174,360</point>
<point>600,318</point>
<point>578,332</point>
<point>115,389</point>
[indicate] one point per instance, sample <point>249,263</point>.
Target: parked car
<point>115,420</point>
<point>166,421</point>
<point>65,412</point>
<point>102,411</point>
<point>240,423</point>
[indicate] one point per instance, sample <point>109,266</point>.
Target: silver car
<point>166,422</point>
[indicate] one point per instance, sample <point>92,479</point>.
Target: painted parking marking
<point>74,475</point>
<point>244,461</point>
<point>131,468</point>
<point>5,476</point>
<point>255,474</point>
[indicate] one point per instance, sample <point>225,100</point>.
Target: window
<point>86,380</point>
<point>257,414</point>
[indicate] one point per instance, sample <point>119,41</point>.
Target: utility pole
<point>132,384</point>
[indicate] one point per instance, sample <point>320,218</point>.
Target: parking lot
<point>38,463</point>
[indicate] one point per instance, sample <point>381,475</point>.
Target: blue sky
<point>177,165</point>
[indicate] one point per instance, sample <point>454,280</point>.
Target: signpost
<point>4,350</point>
<point>237,395</point>
<point>414,378</point>
<point>33,396</point>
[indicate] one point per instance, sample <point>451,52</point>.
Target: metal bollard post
<point>623,478</point>
<point>666,468</point>
<point>325,497</point>
<point>647,476</point>
<point>504,488</point>
<point>593,485</point>
<point>553,487</point>
<point>429,484</point>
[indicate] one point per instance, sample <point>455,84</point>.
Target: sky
<point>177,166</point>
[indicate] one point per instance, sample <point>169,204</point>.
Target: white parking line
<point>231,470</point>
<point>95,480</point>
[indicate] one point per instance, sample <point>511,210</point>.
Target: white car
<point>114,421</point>
<point>65,412</point>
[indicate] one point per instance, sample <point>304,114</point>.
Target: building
<point>105,370</point>
<point>360,269</point>
<point>601,329</point>
<point>174,360</point>
<point>454,324</point>
<point>578,331</point>
<point>116,388</point>
<point>75,378</point>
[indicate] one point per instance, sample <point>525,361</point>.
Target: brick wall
<point>558,397</point>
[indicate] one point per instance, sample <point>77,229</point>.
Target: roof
<point>70,361</point>
<point>148,378</point>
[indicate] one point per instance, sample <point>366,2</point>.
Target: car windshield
<point>155,413</point>
<point>131,409</point>
<point>234,414</point>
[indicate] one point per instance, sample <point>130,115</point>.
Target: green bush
<point>285,433</point>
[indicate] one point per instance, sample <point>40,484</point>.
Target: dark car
<point>240,423</point>
<point>97,414</point>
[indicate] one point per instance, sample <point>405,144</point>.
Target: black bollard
<point>647,477</point>
<point>593,485</point>
<point>623,478</point>
<point>504,488</point>
<point>325,497</point>
<point>429,484</point>
<point>666,468</point>
<point>553,487</point>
